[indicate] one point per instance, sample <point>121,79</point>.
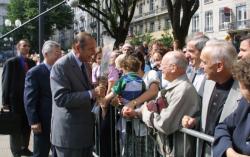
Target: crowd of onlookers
<point>156,89</point>
<point>203,89</point>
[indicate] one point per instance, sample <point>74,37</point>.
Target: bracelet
<point>134,102</point>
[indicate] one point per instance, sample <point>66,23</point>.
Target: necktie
<point>193,76</point>
<point>84,72</point>
<point>26,67</point>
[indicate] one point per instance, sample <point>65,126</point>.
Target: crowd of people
<point>155,89</point>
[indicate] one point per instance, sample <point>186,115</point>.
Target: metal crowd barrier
<point>115,150</point>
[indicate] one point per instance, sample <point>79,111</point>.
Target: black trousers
<point>65,152</point>
<point>19,141</point>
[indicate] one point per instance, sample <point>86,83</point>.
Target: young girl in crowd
<point>96,68</point>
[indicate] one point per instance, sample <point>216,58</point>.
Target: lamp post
<point>41,29</point>
<point>71,3</point>
<point>16,24</point>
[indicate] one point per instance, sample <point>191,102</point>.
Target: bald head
<point>173,65</point>
<point>177,58</point>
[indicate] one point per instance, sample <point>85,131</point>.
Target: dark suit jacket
<point>234,131</point>
<point>13,83</point>
<point>72,123</point>
<point>37,96</point>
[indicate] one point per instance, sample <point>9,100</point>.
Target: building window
<point>195,23</point>
<point>167,23</point>
<point>208,1</point>
<point>163,3</point>
<point>151,5</point>
<point>140,29</point>
<point>152,27</point>
<point>140,8</point>
<point>208,21</point>
<point>241,16</point>
<point>225,18</point>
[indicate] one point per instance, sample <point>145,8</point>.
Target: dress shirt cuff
<point>90,94</point>
<point>148,117</point>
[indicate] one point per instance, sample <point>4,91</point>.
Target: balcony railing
<point>239,25</point>
<point>154,12</point>
<point>208,29</point>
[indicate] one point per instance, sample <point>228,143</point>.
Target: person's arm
<point>230,152</point>
<point>179,103</point>
<point>147,95</point>
<point>31,100</point>
<point>110,85</point>
<point>6,82</point>
<point>63,94</point>
<point>223,134</point>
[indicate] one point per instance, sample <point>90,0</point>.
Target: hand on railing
<point>230,152</point>
<point>128,112</point>
<point>188,122</point>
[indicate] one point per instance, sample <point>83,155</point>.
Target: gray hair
<point>177,58</point>
<point>222,50</point>
<point>49,45</point>
<point>200,41</point>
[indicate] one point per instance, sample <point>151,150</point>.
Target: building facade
<point>218,18</point>
<point>150,16</point>
<point>215,18</point>
<point>3,12</point>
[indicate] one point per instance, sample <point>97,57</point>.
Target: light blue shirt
<point>199,79</point>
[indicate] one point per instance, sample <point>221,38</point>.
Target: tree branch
<point>105,24</point>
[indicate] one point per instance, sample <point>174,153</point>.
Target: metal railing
<point>151,146</point>
<point>238,25</point>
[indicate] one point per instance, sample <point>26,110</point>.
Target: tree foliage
<point>115,15</point>
<point>139,39</point>
<point>59,18</point>
<point>166,39</point>
<point>180,14</point>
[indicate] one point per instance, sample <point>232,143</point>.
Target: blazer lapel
<point>208,90</point>
<point>231,103</point>
<point>76,69</point>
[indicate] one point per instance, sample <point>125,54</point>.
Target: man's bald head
<point>173,65</point>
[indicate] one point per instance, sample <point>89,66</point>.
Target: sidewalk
<point>5,146</point>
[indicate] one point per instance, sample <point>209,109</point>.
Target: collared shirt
<point>49,67</point>
<point>198,78</point>
<point>216,103</point>
<point>79,63</point>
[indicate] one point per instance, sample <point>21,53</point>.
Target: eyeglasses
<point>26,45</point>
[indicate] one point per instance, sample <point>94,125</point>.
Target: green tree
<point>166,39</point>
<point>180,14</point>
<point>139,39</point>
<point>24,10</point>
<point>115,15</point>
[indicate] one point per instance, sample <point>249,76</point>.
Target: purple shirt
<point>113,74</point>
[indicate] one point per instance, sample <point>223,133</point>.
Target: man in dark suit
<point>72,123</point>
<point>38,98</point>
<point>13,76</point>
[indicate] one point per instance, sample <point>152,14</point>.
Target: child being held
<point>129,87</point>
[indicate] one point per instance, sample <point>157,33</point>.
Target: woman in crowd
<point>96,67</point>
<point>232,136</point>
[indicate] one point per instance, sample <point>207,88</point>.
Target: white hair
<point>118,61</point>
<point>221,50</point>
<point>49,45</point>
<point>177,58</point>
